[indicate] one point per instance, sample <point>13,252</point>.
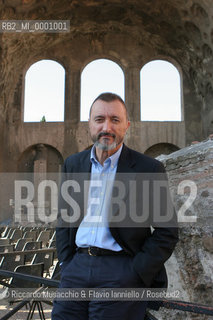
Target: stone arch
<point>43,94</point>
<point>47,56</point>
<point>47,155</point>
<point>163,58</point>
<point>150,87</point>
<point>161,148</point>
<point>101,84</point>
<point>116,59</point>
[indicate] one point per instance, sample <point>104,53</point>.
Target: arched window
<point>44,92</point>
<point>99,76</point>
<point>160,92</point>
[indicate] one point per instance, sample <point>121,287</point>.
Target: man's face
<point>108,124</point>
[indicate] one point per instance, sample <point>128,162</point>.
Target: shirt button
<point>92,231</point>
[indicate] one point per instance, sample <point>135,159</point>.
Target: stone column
<point>132,92</point>
<point>40,171</point>
<point>72,94</point>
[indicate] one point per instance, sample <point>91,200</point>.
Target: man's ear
<point>128,125</point>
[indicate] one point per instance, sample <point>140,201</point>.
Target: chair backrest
<point>31,269</point>
<point>21,242</point>
<point>46,258</point>
<point>4,241</point>
<point>53,236</point>
<point>27,229</point>
<point>30,234</point>
<point>44,236</point>
<point>52,244</point>
<point>2,230</point>
<point>56,272</point>
<point>7,248</point>
<point>16,235</point>
<point>52,231</point>
<point>32,245</point>
<point>5,232</point>
<point>10,262</point>
<point>10,232</point>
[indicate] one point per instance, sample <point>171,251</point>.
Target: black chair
<point>4,241</point>
<point>33,270</point>
<point>44,236</point>
<point>16,235</point>
<point>52,231</point>
<point>21,243</point>
<point>11,232</point>
<point>52,244</point>
<point>5,232</point>
<point>2,230</point>
<point>31,234</point>
<point>56,272</point>
<point>46,258</point>
<point>30,269</point>
<point>7,248</point>
<point>32,245</point>
<point>10,262</point>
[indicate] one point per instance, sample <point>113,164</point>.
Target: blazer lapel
<point>126,162</point>
<point>85,163</point>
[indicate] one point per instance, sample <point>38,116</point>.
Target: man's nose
<point>107,126</point>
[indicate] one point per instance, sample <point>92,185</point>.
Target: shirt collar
<point>113,158</point>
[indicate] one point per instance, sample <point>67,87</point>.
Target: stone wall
<point>130,33</point>
<point>191,266</point>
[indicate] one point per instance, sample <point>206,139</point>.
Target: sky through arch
<point>101,75</point>
<point>160,92</point>
<point>44,92</point>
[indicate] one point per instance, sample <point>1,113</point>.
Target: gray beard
<point>105,147</point>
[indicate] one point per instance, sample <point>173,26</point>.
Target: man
<point>109,255</point>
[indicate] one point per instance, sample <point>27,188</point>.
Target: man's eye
<point>115,120</point>
<point>98,119</point>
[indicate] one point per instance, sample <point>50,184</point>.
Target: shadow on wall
<point>160,148</point>
<point>38,153</point>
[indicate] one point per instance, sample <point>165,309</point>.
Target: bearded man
<point>111,254</point>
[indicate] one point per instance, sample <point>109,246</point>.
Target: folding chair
<point>44,236</point>
<point>34,270</point>
<point>7,248</point>
<point>4,241</point>
<point>46,258</point>
<point>32,245</point>
<point>10,262</point>
<point>30,234</point>
<point>16,235</point>
<point>21,243</point>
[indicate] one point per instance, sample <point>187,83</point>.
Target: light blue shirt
<point>94,229</point>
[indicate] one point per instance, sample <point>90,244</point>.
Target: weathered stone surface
<point>192,260</point>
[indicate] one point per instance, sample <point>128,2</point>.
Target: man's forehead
<point>101,107</point>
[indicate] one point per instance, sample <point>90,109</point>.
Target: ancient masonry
<point>190,268</point>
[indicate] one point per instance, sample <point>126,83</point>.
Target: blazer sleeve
<point>158,247</point>
<point>64,251</point>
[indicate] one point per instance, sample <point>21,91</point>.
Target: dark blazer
<point>150,250</point>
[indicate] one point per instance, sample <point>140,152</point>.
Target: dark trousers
<point>85,271</point>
